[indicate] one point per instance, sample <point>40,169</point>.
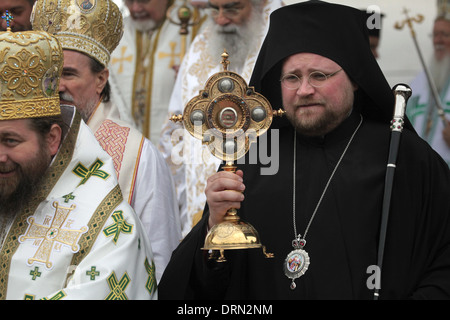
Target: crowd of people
<point>103,197</point>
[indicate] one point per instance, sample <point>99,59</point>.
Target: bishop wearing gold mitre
<point>88,36</point>
<point>66,231</point>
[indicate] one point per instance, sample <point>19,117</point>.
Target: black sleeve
<point>190,274</point>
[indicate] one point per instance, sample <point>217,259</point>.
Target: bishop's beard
<point>85,106</point>
<point>237,40</point>
<point>440,72</point>
<point>17,190</point>
<point>144,25</point>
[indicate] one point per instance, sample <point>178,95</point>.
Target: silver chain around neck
<point>298,236</point>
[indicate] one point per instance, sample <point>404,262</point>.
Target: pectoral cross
<point>8,17</point>
<point>48,236</point>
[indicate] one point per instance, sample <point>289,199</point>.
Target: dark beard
<point>29,178</point>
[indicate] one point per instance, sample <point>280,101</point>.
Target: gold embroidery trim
<point>135,171</point>
<point>98,220</point>
<point>79,42</point>
<point>32,108</point>
<point>149,86</point>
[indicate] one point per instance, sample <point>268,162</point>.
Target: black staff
<point>402,93</point>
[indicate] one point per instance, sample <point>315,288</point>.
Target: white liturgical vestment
<point>144,179</point>
<point>190,162</point>
<point>142,74</point>
<point>422,112</point>
<point>77,237</point>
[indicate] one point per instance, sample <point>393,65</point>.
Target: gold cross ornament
<point>50,235</point>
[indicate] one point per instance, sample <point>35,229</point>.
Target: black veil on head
<point>334,31</point>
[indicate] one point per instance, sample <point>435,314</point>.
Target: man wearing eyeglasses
<point>320,214</point>
<point>239,27</point>
<point>422,108</point>
<point>143,67</point>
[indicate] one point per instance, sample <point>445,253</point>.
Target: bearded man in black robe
<point>332,149</point>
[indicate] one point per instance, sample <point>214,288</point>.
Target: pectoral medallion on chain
<point>296,262</point>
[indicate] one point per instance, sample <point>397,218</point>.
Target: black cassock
<point>342,241</point>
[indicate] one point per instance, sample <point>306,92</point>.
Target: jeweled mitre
<point>30,68</point>
<point>93,27</point>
